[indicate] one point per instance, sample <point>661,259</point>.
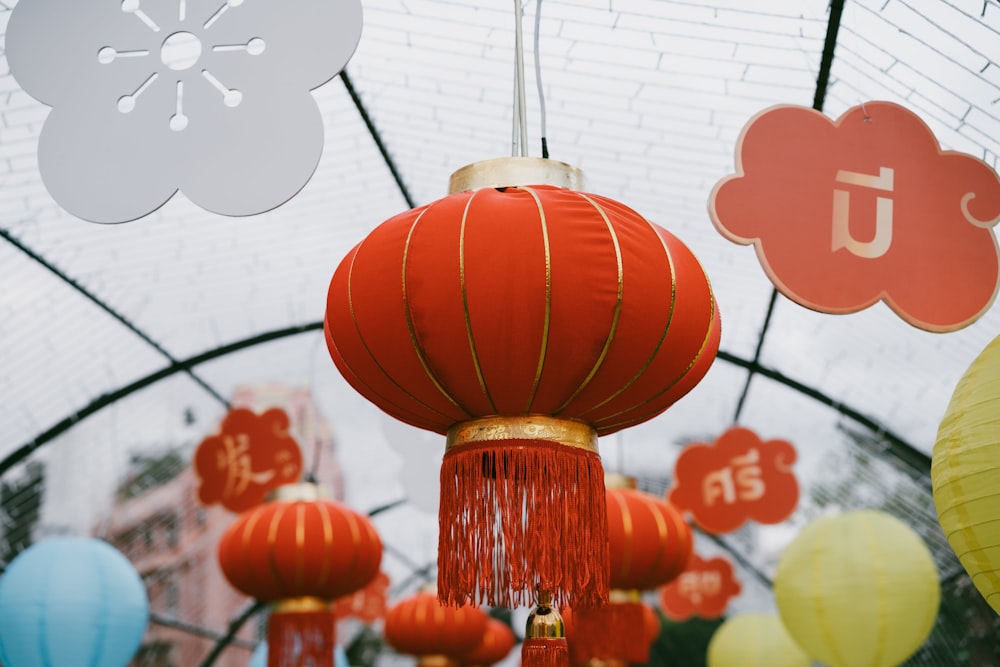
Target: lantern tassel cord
<point>545,652</point>
<point>518,513</point>
<point>301,638</point>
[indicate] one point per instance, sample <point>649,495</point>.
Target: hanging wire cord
<point>519,139</point>
<point>520,130</point>
<point>538,80</point>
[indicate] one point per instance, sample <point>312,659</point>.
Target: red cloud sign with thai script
<point>865,208</point>
<point>737,478</point>
<point>250,456</point>
<point>704,589</point>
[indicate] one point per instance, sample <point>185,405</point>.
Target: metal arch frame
<point>907,453</point>
<point>916,459</point>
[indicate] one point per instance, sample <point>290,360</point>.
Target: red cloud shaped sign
<point>368,604</point>
<point>251,455</point>
<point>737,478</point>
<point>865,208</point>
<point>703,589</point>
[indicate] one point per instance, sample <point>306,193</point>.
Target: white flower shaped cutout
<point>150,97</point>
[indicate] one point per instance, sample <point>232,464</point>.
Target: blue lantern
<point>71,602</point>
<point>259,657</point>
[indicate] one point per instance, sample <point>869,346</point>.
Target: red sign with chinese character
<point>737,478</point>
<point>845,213</point>
<point>251,455</point>
<point>703,589</point>
<point>368,604</point>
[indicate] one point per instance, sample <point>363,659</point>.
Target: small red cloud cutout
<point>704,589</point>
<point>250,456</point>
<point>368,604</point>
<point>865,208</point>
<point>737,478</point>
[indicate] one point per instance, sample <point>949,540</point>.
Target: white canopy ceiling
<point>647,97</point>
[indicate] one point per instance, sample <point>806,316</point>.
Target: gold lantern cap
<point>506,172</point>
<point>617,480</point>
<point>298,492</point>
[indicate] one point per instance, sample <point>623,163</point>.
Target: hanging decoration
<point>965,472</point>
<point>846,213</point>
<point>148,99</point>
<point>249,457</point>
<point>704,589</point>
<point>737,478</point>
<point>860,588</point>
<point>367,604</point>
<point>300,551</point>
<point>754,640</point>
<point>650,544</point>
<point>436,634</point>
<point>529,320</point>
<point>497,643</point>
<point>260,656</point>
<point>545,643</point>
<point>71,602</point>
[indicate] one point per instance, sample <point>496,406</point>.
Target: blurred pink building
<point>171,539</point>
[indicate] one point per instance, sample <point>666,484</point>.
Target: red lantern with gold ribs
<point>498,640</point>
<point>300,551</point>
<point>437,635</point>
<point>523,321</point>
<point>650,545</point>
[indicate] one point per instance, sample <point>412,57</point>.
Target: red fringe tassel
<point>296,638</point>
<point>544,652</point>
<point>519,513</point>
<point>614,631</point>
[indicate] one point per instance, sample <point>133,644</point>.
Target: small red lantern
<point>436,634</point>
<point>650,545</point>
<point>522,321</point>
<point>300,551</point>
<point>498,640</point>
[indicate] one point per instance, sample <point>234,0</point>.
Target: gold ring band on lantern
<point>565,432</point>
<point>305,603</point>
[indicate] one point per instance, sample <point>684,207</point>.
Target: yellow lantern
<point>858,590</point>
<point>755,640</point>
<point>965,472</point>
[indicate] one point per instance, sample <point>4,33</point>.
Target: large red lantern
<point>650,545</point>
<point>523,321</point>
<point>437,635</point>
<point>498,641</point>
<point>300,551</point>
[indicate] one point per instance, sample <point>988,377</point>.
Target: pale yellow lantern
<point>965,472</point>
<point>858,590</point>
<point>755,640</point>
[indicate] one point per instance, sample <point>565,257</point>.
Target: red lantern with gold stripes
<point>300,551</point>
<point>498,641</point>
<point>522,321</point>
<point>437,635</point>
<point>650,545</point>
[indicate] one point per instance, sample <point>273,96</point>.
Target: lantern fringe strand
<point>301,637</point>
<point>519,513</point>
<point>545,652</point>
